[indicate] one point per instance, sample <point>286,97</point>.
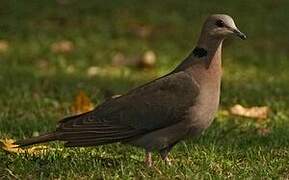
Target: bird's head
<point>221,26</point>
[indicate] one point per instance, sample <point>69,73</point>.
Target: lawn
<point>39,84</point>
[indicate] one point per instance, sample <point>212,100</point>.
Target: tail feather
<point>36,140</point>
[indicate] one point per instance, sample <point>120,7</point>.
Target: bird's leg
<point>164,155</point>
<point>148,159</point>
<point>168,161</point>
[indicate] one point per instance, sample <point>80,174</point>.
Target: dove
<point>161,113</point>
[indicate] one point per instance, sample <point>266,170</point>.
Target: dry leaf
<point>7,143</point>
<point>252,112</point>
<point>93,71</point>
<point>107,71</point>
<point>116,96</point>
<point>81,104</point>
<point>119,59</point>
<point>62,47</point>
<point>147,60</point>
<point>3,46</point>
<point>9,146</point>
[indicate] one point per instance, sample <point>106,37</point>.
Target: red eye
<point>220,23</point>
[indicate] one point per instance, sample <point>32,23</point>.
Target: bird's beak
<point>238,33</point>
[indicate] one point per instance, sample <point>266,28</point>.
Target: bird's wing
<point>155,105</point>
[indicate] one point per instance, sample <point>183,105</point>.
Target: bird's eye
<point>220,23</point>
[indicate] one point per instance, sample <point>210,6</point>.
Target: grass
<point>38,85</point>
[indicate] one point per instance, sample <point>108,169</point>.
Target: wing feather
<point>155,105</point>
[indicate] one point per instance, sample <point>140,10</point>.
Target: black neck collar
<point>200,52</point>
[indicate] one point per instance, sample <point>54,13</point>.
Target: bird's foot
<point>148,159</point>
<point>165,156</point>
<point>168,161</point>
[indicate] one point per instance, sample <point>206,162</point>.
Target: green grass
<point>34,97</point>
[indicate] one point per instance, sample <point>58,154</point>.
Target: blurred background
<point>52,49</point>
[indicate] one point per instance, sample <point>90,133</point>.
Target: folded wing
<point>155,105</point>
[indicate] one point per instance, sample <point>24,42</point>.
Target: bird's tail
<point>36,140</point>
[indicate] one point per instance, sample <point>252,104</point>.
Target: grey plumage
<point>159,114</point>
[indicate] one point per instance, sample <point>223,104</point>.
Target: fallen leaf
<point>8,143</point>
<point>9,146</point>
<point>63,46</point>
<point>81,104</point>
<point>260,112</point>
<point>119,59</point>
<point>107,71</point>
<point>93,71</point>
<point>147,60</point>
<point>116,96</point>
<point>4,46</point>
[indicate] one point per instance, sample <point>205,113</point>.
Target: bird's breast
<point>207,102</point>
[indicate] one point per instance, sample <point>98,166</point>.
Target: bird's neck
<point>213,47</point>
<point>207,52</point>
